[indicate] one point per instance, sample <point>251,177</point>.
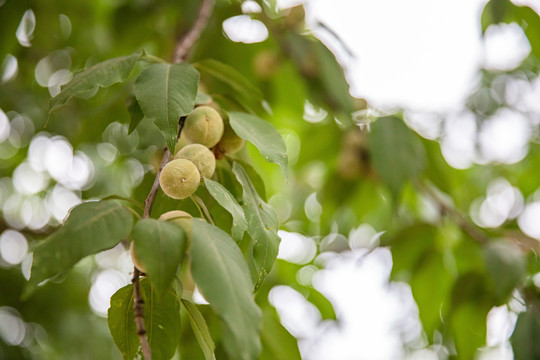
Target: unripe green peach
<point>182,141</point>
<point>199,155</point>
<point>134,258</point>
<point>230,142</point>
<point>179,178</point>
<point>204,126</point>
<point>181,218</point>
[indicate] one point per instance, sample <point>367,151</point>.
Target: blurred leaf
<point>10,17</point>
<point>333,79</point>
<point>90,228</point>
<point>318,65</point>
<point>277,342</point>
<point>408,247</point>
<point>270,7</point>
<point>220,271</point>
<point>494,12</point>
<point>287,276</point>
<point>445,177</point>
<point>159,246</point>
<point>198,324</point>
<point>162,320</point>
<point>507,268</point>
<point>262,226</point>
<point>397,153</point>
<point>504,11</point>
<point>471,301</point>
<point>166,92</point>
<point>261,134</point>
<point>121,322</point>
<point>244,92</point>
<point>229,203</point>
<point>103,74</point>
<point>431,284</point>
<point>525,337</point>
<point>202,98</point>
<point>135,113</point>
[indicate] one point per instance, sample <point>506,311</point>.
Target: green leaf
<point>431,284</point>
<point>277,342</point>
<point>166,92</point>
<point>200,329</point>
<point>471,301</point>
<point>408,246</point>
<point>229,203</point>
<point>103,74</point>
<point>261,134</point>
<point>525,337</point>
<point>396,151</point>
<point>135,113</point>
<point>159,246</point>
<point>245,92</point>
<point>90,228</point>
<point>494,12</point>
<point>287,275</point>
<point>202,98</point>
<point>324,76</point>
<point>504,11</point>
<point>507,268</point>
<point>255,177</point>
<point>262,226</point>
<point>121,322</point>
<point>220,271</point>
<point>161,319</point>
<point>271,8</point>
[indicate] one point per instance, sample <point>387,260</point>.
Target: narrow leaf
<point>90,228</point>
<point>220,271</point>
<point>103,74</point>
<point>229,203</point>
<point>159,246</point>
<point>262,226</point>
<point>397,153</point>
<point>200,329</point>
<point>166,92</point>
<point>161,319</point>
<point>121,322</point>
<point>261,134</point>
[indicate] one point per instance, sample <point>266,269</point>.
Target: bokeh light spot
<point>13,247</point>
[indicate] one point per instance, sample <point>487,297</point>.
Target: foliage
<point>324,177</point>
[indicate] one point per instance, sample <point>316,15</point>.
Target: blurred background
<point>373,265</point>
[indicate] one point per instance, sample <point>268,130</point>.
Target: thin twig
<point>456,216</point>
<point>186,43</point>
<point>181,52</point>
<point>149,202</point>
<point>138,309</point>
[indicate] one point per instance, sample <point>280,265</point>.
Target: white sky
<point>420,54</point>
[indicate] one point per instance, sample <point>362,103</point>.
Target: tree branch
<point>138,309</point>
<point>461,220</point>
<point>186,43</point>
<point>181,52</point>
